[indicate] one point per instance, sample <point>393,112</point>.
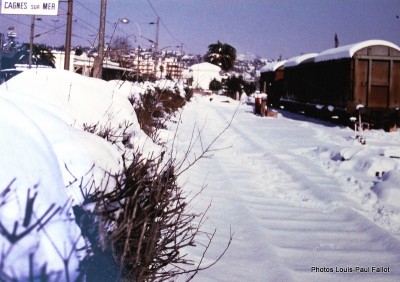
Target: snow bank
<point>48,157</point>
<point>30,170</point>
<point>75,94</point>
<point>83,157</point>
<point>388,190</point>
<point>371,174</point>
<point>86,101</point>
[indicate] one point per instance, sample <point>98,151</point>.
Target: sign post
<point>30,7</point>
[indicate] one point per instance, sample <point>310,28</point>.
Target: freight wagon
<point>271,81</point>
<point>339,82</point>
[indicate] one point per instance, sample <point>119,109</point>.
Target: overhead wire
<point>164,25</point>
<point>83,23</point>
<point>162,22</point>
<point>41,27</point>
<point>94,29</point>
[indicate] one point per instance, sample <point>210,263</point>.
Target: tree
<point>222,55</point>
<point>232,85</point>
<point>215,85</point>
<point>249,87</point>
<point>336,41</point>
<point>41,55</point>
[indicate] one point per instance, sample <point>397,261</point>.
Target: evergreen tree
<point>40,56</point>
<point>336,41</point>
<point>232,85</point>
<point>222,55</point>
<point>215,85</point>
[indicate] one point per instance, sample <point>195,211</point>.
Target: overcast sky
<point>268,28</point>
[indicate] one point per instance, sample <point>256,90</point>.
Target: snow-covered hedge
<point>48,161</point>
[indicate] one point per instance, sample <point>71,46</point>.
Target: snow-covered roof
<point>205,67</point>
<point>272,66</point>
<point>348,51</point>
<point>299,59</point>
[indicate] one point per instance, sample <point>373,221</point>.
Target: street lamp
<point>98,66</point>
<point>157,23</point>
<point>138,50</point>
<point>122,20</point>
<point>126,21</point>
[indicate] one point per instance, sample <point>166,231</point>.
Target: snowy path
<point>288,213</point>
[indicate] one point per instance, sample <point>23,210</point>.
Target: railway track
<point>291,218</point>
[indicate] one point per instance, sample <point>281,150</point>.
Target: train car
<point>271,81</point>
<point>298,87</point>
<point>342,80</point>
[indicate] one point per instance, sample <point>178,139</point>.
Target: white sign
<point>30,7</point>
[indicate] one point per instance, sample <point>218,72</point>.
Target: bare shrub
<point>112,135</point>
<point>140,231</point>
<point>156,108</point>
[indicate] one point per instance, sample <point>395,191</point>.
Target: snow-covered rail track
<point>292,221</point>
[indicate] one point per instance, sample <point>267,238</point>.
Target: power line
<point>94,29</point>
<point>17,21</point>
<point>165,26</point>
<point>88,9</point>
<point>162,22</point>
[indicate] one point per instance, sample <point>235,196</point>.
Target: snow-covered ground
<point>305,200</point>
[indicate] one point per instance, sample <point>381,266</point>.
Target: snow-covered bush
<point>154,102</point>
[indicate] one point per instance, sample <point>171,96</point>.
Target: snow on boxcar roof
<point>299,59</point>
<point>348,51</point>
<point>272,66</point>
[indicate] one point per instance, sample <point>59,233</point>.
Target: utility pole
<point>180,62</point>
<point>31,40</point>
<point>157,32</point>
<point>98,62</point>
<point>68,36</point>
<point>156,47</point>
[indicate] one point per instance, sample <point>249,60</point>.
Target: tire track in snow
<point>283,237</point>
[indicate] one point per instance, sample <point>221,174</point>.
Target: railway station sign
<point>30,7</point>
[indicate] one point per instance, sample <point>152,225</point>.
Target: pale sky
<point>268,28</point>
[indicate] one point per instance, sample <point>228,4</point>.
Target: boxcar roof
<point>272,66</point>
<point>300,59</point>
<point>349,50</point>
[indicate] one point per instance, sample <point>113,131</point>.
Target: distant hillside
<point>247,57</point>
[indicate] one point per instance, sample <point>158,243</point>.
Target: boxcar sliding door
<point>379,86</point>
<point>361,68</point>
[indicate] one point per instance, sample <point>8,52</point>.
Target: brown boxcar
<point>271,81</point>
<point>366,73</point>
<point>299,77</point>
